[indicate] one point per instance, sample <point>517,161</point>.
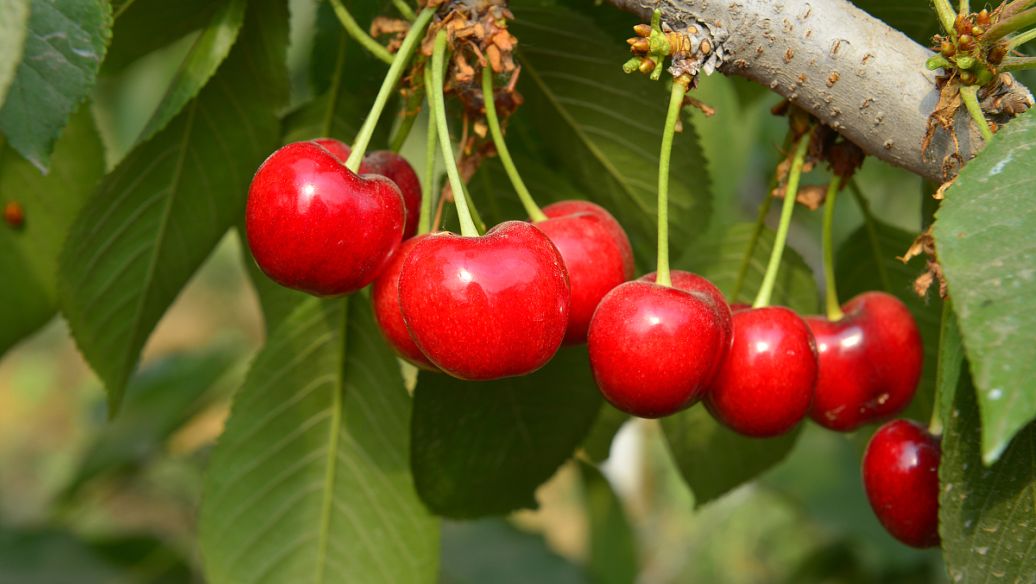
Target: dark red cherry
<point>597,256</point>
<point>486,307</point>
<point>385,300</point>
<point>315,226</point>
<point>766,382</point>
<point>392,166</point>
<point>653,348</point>
<point>870,362</point>
<point>901,478</point>
<point>14,214</point>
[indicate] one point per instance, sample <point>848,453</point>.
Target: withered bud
<point>641,46</point>
<point>643,30</point>
<point>947,49</point>
<point>966,41</point>
<point>983,18</point>
<point>705,47</point>
<point>646,66</point>
<point>976,31</point>
<point>967,77</point>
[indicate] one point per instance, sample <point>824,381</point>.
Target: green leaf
<point>613,551</point>
<point>605,127</point>
<point>64,48</point>
<point>159,400</point>
<point>983,234</point>
<point>867,261</point>
<point>208,51</point>
<point>310,481</point>
<point>986,514</point>
<point>143,26</point>
<point>714,460</point>
<point>493,550</point>
<point>483,448</point>
<point>28,297</point>
<point>914,18</point>
<point>723,261</point>
<point>951,362</point>
<point>13,30</point>
<point>598,442</point>
<point>163,209</point>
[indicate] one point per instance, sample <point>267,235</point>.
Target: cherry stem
<point>404,9</point>
<point>424,224</point>
<point>834,310</point>
<point>1011,24</point>
<point>662,276</point>
<point>790,193</point>
<point>353,28</point>
<point>395,72</point>
<point>965,8</point>
<point>488,97</point>
<point>467,226</point>
<point>1017,64</point>
<point>1017,41</point>
<point>947,17</point>
<point>869,222</point>
<point>969,94</point>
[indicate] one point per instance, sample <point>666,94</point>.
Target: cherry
<point>314,225</point>
<point>14,214</point>
<point>597,256</point>
<point>901,477</point>
<point>654,349</point>
<point>486,307</point>
<point>765,384</point>
<point>392,166</point>
<point>385,299</point>
<point>870,362</point>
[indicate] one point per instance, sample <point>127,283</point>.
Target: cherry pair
<point>314,225</point>
<point>501,304</point>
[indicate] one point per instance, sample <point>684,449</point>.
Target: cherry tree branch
<point>853,72</point>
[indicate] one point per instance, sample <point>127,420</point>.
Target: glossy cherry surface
<point>766,382</point>
<point>653,348</point>
<point>486,307</point>
<point>385,300</point>
<point>392,166</point>
<point>870,362</point>
<point>901,478</point>
<point>315,226</point>
<point>597,256</point>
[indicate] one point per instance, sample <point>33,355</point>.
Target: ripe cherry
<point>14,214</point>
<point>901,478</point>
<point>597,256</point>
<point>870,362</point>
<point>385,299</point>
<point>486,307</point>
<point>392,166</point>
<point>315,226</point>
<point>766,383</point>
<point>653,348</point>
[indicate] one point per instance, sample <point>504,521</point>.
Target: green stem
<point>1023,19</point>
<point>353,28</point>
<point>834,310</point>
<point>969,93</point>
<point>533,210</point>
<point>869,222</point>
<point>1017,64</point>
<point>790,193</point>
<point>395,71</point>
<point>1017,41</point>
<point>404,9</point>
<point>965,8</point>
<point>467,226</point>
<point>947,17</point>
<point>662,275</point>
<point>424,224</point>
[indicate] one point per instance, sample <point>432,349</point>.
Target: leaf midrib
<point>327,504</point>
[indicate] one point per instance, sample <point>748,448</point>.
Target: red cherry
<point>653,348</point>
<point>14,214</point>
<point>901,477</point>
<point>766,382</point>
<point>870,362</point>
<point>486,307</point>
<point>315,226</point>
<point>392,166</point>
<point>597,256</point>
<point>385,299</point>
<point>690,282</point>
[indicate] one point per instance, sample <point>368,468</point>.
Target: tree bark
<point>850,70</point>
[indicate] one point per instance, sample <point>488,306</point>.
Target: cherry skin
<point>315,226</point>
<point>486,307</point>
<point>385,300</point>
<point>653,348</point>
<point>392,166</point>
<point>901,478</point>
<point>870,362</point>
<point>765,384</point>
<point>597,256</point>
